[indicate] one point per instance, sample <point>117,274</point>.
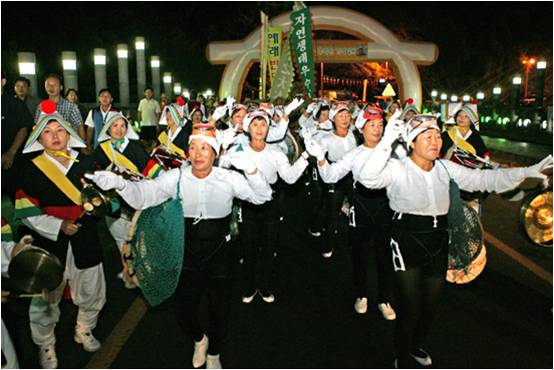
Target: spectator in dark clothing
<point>16,124</point>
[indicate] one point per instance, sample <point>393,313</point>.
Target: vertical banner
<point>263,54</point>
<point>273,50</point>
<point>301,33</point>
<point>284,76</point>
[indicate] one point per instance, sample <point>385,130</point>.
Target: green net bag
<point>154,256</point>
<point>465,230</point>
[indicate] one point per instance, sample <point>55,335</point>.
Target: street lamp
<point>466,98</point>
<point>208,93</point>
<point>27,68</point>
<point>516,80</point>
<point>155,68</point>
<point>434,94</point>
<point>141,65</point>
<point>444,96</point>
<point>480,95</point>
<point>454,98</point>
<point>186,93</point>
<point>123,73</point>
<point>528,63</point>
<point>177,88</point>
<point>497,90</point>
<point>167,84</point>
<point>100,69</point>
<point>69,64</point>
<point>541,72</point>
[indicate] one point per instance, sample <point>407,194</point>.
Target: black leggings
<point>418,295</point>
<point>192,287</point>
<point>260,241</point>
<point>333,205</point>
<point>360,240</point>
<point>317,203</point>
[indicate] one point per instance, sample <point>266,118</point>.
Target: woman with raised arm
<point>206,193</point>
<point>418,190</point>
<point>369,213</point>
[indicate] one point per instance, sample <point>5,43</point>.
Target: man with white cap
<point>418,188</point>
<point>369,213</point>
<point>206,193</point>
<point>48,202</point>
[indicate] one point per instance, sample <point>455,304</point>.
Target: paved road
<point>501,320</point>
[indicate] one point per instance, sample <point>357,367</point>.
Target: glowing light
<point>27,68</point>
<point>497,91</point>
<point>480,95</point>
<point>516,80</point>
<point>541,64</point>
<point>434,93</point>
<point>69,64</point>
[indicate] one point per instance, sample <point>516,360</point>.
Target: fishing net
<point>154,256</point>
<point>466,231</point>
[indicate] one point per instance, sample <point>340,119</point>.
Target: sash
<point>58,178</point>
<point>459,142</point>
<point>119,159</point>
<point>165,141</point>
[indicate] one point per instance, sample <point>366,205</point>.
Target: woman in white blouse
<point>259,224</point>
<point>207,194</point>
<point>369,214</point>
<point>418,190</point>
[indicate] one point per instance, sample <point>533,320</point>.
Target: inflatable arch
<point>381,43</point>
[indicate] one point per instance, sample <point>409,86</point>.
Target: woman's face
<point>258,129</point>
<point>409,115</point>
<point>342,119</point>
<point>54,136</point>
<point>323,116</point>
<point>427,145</point>
<point>238,119</point>
<point>169,119</point>
<point>118,129</point>
<point>373,129</point>
<point>201,155</point>
<point>197,117</point>
<point>72,97</point>
<point>462,119</point>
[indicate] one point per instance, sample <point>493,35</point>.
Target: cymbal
<point>34,269</point>
<point>536,214</point>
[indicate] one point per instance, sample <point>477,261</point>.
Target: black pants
<point>259,234</point>
<point>424,258</point>
<point>370,220</point>
<point>334,199</point>
<point>206,273</point>
<point>317,189</point>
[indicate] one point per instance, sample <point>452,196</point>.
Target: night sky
<point>478,42</point>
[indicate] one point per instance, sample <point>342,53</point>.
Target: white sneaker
<point>360,306</point>
<point>248,297</point>
<point>267,296</point>
<point>89,342</point>
<point>47,357</point>
<point>316,234</point>
<point>200,350</point>
<point>422,357</point>
<point>327,254</point>
<point>387,311</point>
<point>212,362</point>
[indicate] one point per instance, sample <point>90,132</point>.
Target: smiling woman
<point>418,188</point>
